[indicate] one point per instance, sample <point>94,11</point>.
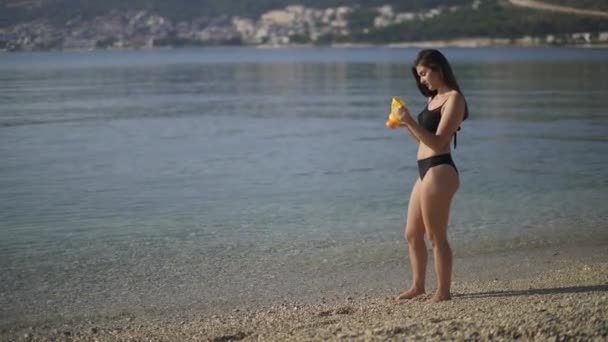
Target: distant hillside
<point>493,18</point>
<point>60,11</point>
<point>91,24</point>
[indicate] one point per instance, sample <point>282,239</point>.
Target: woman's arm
<point>452,114</point>
<point>411,134</point>
<point>409,130</point>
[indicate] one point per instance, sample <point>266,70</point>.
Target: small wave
<point>298,135</point>
<point>386,138</point>
<point>580,138</point>
<point>303,174</point>
<point>533,171</point>
<point>25,122</point>
<point>230,131</point>
<point>349,171</point>
<point>17,123</point>
<point>408,167</point>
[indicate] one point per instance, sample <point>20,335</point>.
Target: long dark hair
<point>436,61</point>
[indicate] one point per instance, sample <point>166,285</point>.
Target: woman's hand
<point>404,116</point>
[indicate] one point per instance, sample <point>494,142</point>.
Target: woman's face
<point>429,78</point>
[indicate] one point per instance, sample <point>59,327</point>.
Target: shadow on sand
<point>530,292</point>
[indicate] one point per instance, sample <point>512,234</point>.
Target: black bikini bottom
<point>425,164</point>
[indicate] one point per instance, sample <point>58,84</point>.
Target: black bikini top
<point>429,119</point>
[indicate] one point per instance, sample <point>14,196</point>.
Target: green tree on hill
<point>491,19</point>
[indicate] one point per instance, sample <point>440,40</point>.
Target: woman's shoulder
<point>455,97</point>
<point>455,94</point>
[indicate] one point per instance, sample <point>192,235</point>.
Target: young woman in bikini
<point>438,180</point>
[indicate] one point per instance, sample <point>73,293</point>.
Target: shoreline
<point>535,293</point>
<point>471,43</point>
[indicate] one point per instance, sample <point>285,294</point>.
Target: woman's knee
<point>414,237</point>
<point>437,241</point>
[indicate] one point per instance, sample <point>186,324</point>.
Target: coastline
<point>480,42</point>
<point>555,292</point>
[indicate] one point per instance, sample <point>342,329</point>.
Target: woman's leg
<point>414,235</point>
<point>439,186</point>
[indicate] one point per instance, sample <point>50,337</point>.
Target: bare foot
<point>440,297</point>
<point>411,293</point>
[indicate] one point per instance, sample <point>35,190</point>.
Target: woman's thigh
<point>436,192</point>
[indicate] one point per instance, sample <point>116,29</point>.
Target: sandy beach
<point>558,293</point>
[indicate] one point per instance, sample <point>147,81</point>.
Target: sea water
<point>173,178</point>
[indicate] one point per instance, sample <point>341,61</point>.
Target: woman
<point>438,181</point>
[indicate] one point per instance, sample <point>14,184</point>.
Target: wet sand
<point>554,293</point>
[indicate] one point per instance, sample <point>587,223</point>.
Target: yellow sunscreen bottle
<point>393,120</point>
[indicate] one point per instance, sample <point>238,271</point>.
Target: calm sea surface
<point>172,178</point>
